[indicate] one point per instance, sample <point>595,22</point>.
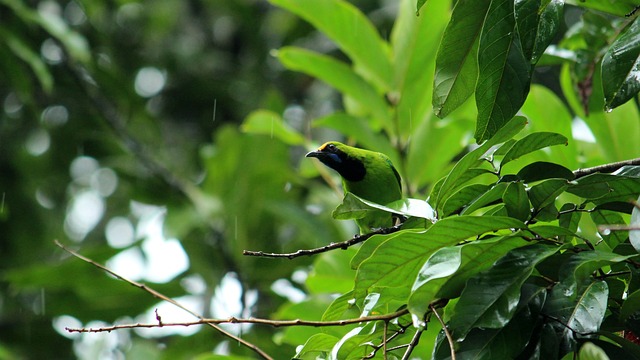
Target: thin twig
<point>234,320</point>
<point>414,342</point>
<point>158,295</point>
<point>606,168</point>
<point>401,330</point>
<point>384,340</point>
<point>339,245</point>
<point>446,332</point>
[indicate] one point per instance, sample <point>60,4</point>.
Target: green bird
<point>367,174</point>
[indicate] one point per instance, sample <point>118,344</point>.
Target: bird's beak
<point>314,154</point>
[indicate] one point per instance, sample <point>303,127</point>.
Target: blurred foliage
<point>164,138</point>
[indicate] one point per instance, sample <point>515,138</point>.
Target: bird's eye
<point>331,147</point>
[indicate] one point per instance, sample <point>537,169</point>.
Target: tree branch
<point>605,168</point>
<point>446,332</point>
<point>160,296</point>
<point>234,320</point>
<point>340,245</point>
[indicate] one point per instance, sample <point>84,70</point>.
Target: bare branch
<point>339,245</point>
<point>234,320</point>
<point>605,168</point>
<point>160,296</point>
<point>413,343</point>
<point>446,331</point>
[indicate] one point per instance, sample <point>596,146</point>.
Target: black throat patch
<point>351,169</point>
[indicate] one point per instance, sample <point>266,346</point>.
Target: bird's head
<point>342,158</point>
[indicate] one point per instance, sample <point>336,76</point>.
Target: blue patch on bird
<point>335,157</point>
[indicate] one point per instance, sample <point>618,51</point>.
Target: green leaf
<point>621,67</point>
<point>569,218</point>
<point>578,300</point>
<point>414,42</point>
<point>365,251</point>
<point>400,258</point>
<point>352,31</point>
<point>355,207</point>
<point>448,269</point>
<point>338,75</point>
<point>590,351</point>
<point>342,307</point>
<point>505,74</point>
<point>527,16</point>
<point>331,273</point>
<point>541,170</point>
<point>630,306</point>
<point>516,201</point>
<point>456,62</point>
<point>479,307</point>
<point>605,217</point>
<point>463,197</point>
<point>531,143</point>
<point>317,343</point>
<point>492,196</point>
<point>604,188</point>
<point>269,123</point>
<point>550,20</point>
<point>504,343</point>
<point>615,7</point>
<point>473,159</point>
<point>581,309</point>
<point>632,351</point>
<point>546,192</point>
<point>20,49</point>
<point>551,231</point>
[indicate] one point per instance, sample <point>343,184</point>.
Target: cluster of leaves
<point>514,257</point>
<point>508,260</point>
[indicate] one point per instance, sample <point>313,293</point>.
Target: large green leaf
<point>505,74</point>
<point>338,75</point>
<point>449,268</point>
<point>354,207</point>
<point>580,309</point>
<point>613,218</point>
<point>542,170</point>
<point>621,67</point>
<point>456,62</point>
<point>352,31</point>
<point>269,123</point>
<point>463,197</point>
<point>400,258</point>
<point>317,343</point>
<point>506,342</point>
<point>531,143</point>
<point>578,301</point>
<point>493,195</point>
<point>516,201</point>
<point>615,7</point>
<point>603,188</point>
<point>414,43</point>
<point>550,20</point>
<point>472,159</point>
<point>546,192</point>
<point>331,273</point>
<point>490,298</point>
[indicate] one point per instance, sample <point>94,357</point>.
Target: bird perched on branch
<point>367,174</point>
